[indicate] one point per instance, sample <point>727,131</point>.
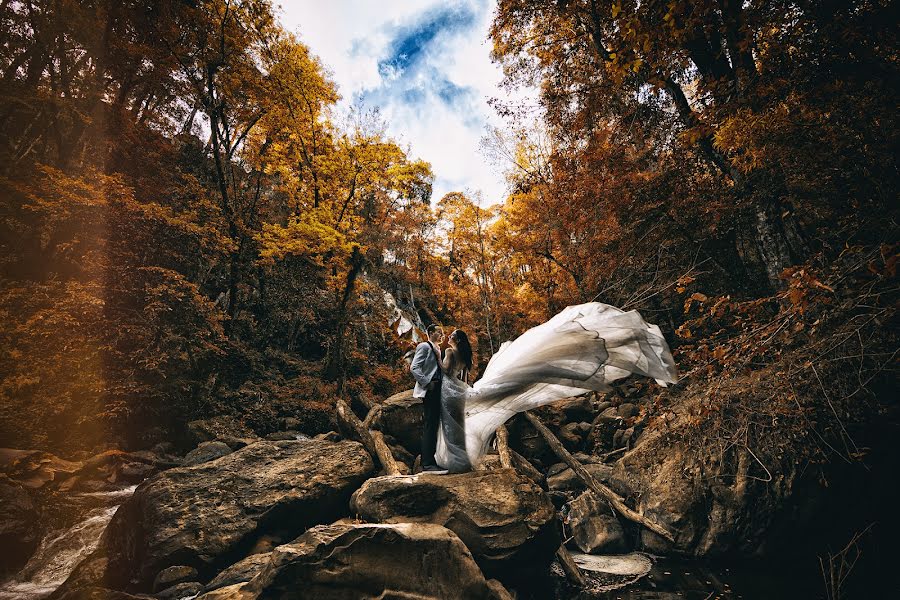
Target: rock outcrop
<point>502,517</point>
<point>406,560</point>
<point>209,515</point>
<point>400,417</point>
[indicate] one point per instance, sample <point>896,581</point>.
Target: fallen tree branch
<point>572,571</point>
<point>593,484</point>
<point>353,428</point>
<point>524,466</point>
<point>503,447</point>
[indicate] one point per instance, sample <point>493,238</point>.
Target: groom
<point>426,371</point>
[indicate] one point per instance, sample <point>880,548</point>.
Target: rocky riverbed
<point>244,517</point>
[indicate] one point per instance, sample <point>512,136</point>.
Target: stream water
<point>80,520</point>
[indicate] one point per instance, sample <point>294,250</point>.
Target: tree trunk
<point>336,361</point>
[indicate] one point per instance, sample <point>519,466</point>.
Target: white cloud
<point>435,80</point>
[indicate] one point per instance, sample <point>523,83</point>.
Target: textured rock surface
<point>503,518</point>
<point>206,452</point>
<point>593,526</point>
<point>209,515</point>
<point>173,575</point>
<point>187,589</point>
<point>401,418</point>
<point>407,560</point>
<point>240,572</point>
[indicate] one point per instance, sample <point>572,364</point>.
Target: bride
<point>583,348</point>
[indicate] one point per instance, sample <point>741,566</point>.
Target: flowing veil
<point>583,348</point>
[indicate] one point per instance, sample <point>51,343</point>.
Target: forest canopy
<point>191,227</point>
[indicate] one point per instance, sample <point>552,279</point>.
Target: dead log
<point>572,571</point>
<point>503,447</point>
<point>524,466</point>
<point>384,453</point>
<point>509,458</point>
<point>593,484</point>
<point>373,414</point>
<point>354,429</point>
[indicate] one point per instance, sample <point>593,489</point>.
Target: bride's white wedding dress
<point>583,348</point>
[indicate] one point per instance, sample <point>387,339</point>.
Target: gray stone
<point>594,528</point>
<point>339,562</point>
<point>206,452</point>
<point>567,481</point>
<point>240,572</point>
<point>602,406</point>
<point>174,575</point>
<point>627,410</point>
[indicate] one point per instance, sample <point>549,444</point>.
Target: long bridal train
<point>583,348</point>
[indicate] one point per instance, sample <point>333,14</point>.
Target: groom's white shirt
<point>424,366</point>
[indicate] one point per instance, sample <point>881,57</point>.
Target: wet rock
<point>89,573</point>
<point>182,590</point>
<point>594,528</point>
<point>401,418</point>
<point>206,452</point>
<point>19,532</point>
<point>208,515</point>
<point>174,575</point>
<point>406,560</point>
<point>503,518</point>
<point>602,406</point>
<point>240,572</point>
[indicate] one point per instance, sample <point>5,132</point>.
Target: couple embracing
<point>583,348</point>
<point>436,373</point>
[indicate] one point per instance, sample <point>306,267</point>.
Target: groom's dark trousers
<point>432,417</point>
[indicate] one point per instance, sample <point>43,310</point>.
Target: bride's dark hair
<point>463,346</point>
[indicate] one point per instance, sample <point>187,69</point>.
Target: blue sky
<point>425,64</point>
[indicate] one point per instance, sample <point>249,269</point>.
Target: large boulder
<point>210,515</point>
<point>19,532</point>
<point>400,417</point>
<point>504,518</point>
<point>337,562</point>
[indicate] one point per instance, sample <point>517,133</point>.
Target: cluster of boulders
<point>244,517</point>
